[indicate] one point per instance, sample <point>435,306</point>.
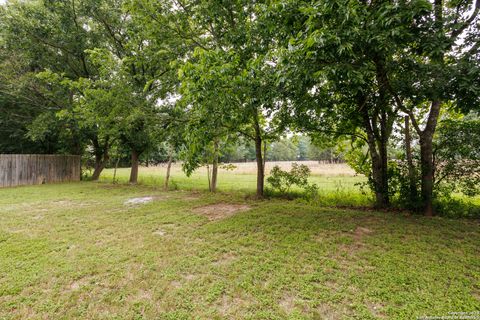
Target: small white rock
<point>138,201</point>
<point>159,233</point>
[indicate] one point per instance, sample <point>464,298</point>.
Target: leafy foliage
<point>282,181</point>
<point>457,157</point>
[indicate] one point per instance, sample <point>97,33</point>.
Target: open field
<point>336,169</point>
<point>337,183</point>
<point>88,251</point>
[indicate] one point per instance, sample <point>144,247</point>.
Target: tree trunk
<point>379,170</point>
<point>426,158</point>
<point>259,159</point>
<point>378,175</point>
<point>169,167</point>
<point>213,187</point>
<point>134,170</point>
<point>381,135</point>
<point>101,158</point>
<point>115,171</point>
<point>410,167</point>
<point>264,154</point>
<point>426,161</point>
<point>99,166</point>
<point>209,178</point>
<point>426,136</point>
<point>383,142</point>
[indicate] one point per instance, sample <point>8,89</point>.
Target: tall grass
<point>337,183</point>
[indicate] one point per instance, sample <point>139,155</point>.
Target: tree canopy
<point>391,86</point>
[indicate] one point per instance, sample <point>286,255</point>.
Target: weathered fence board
<point>26,169</point>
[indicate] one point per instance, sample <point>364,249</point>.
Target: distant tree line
<point>297,148</point>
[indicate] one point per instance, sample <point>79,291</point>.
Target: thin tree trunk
<point>378,173</point>
<point>260,168</point>
<point>169,167</point>
<point>384,158</point>
<point>134,170</point>
<point>115,170</point>
<point>381,196</point>
<point>410,167</point>
<point>382,135</point>
<point>208,177</point>
<point>214,167</point>
<point>264,155</point>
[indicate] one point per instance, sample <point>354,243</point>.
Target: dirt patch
<point>79,283</point>
<point>348,252</point>
<point>164,229</point>
<point>189,277</point>
<point>141,295</point>
<point>376,309</point>
<point>326,235</point>
<point>192,196</point>
<point>332,285</point>
<point>328,312</point>
<point>360,232</point>
<point>225,259</point>
<point>220,210</point>
<point>287,303</point>
<point>229,304</point>
<point>476,293</point>
<point>75,286</point>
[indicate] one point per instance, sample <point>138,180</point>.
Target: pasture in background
<point>338,184</point>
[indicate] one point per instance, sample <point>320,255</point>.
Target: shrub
<point>282,181</point>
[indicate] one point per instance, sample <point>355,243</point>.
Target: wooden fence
<point>28,169</point>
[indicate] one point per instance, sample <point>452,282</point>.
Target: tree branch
<point>467,22</point>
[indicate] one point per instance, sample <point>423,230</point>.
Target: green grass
<point>334,190</point>
<point>76,251</point>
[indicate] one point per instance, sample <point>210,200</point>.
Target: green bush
<point>282,181</point>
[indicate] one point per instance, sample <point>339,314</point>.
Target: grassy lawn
<point>338,184</point>
<point>78,251</point>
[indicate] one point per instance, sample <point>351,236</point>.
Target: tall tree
<point>45,35</point>
<point>440,68</point>
<point>332,71</point>
<point>230,72</point>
